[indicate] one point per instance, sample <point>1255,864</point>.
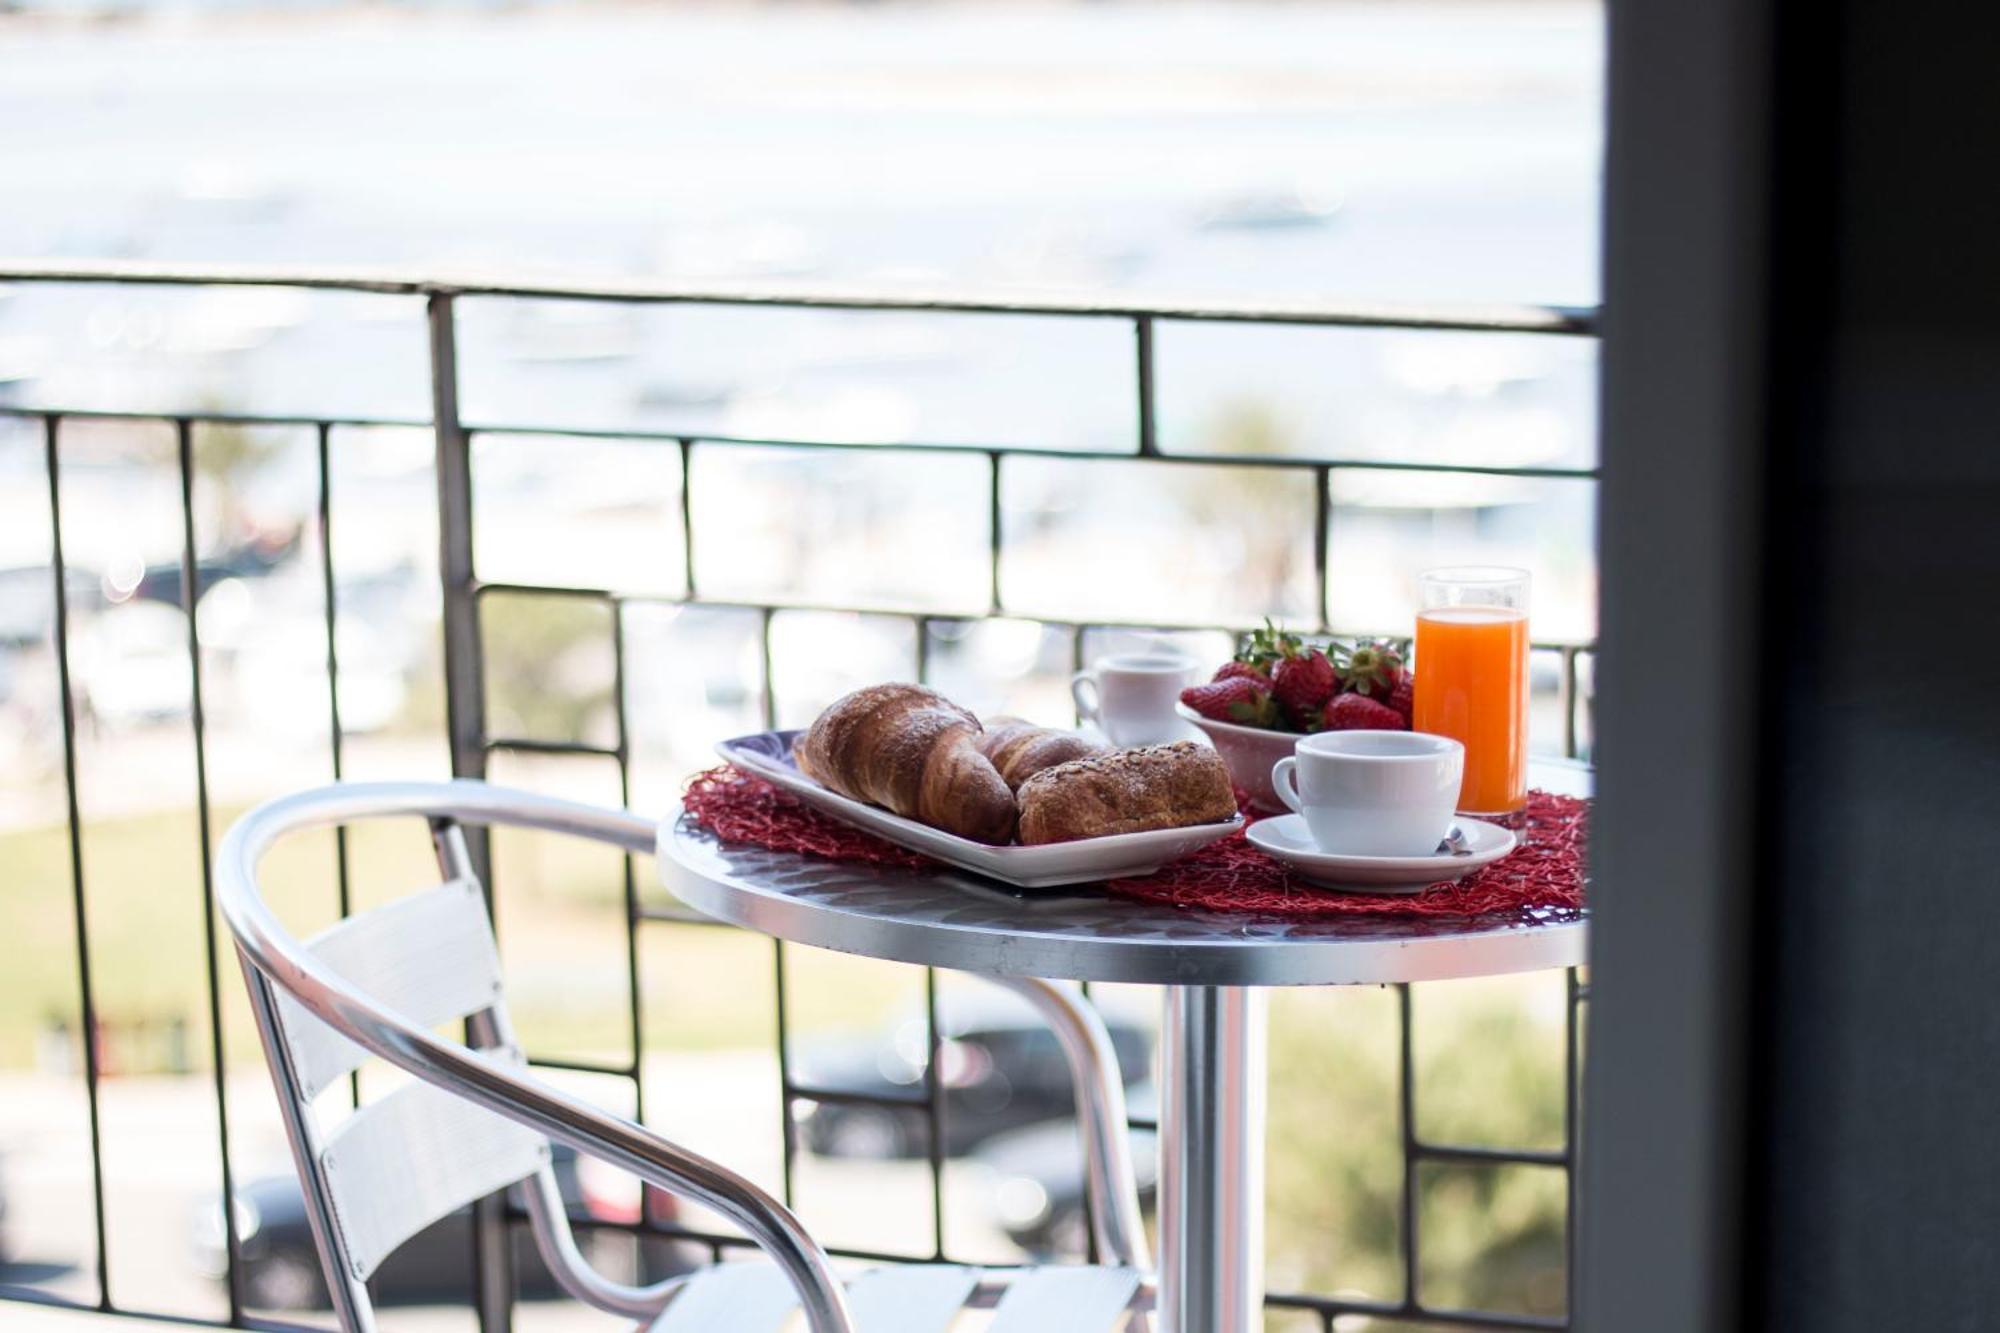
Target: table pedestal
<point>1212,1075</point>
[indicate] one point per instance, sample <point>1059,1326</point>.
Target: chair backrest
<point>401,1162</point>
<point>380,983</point>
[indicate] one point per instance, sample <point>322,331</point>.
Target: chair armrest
<point>574,1272</point>
<point>597,1133</point>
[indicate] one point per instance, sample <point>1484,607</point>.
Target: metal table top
<point>955,919</point>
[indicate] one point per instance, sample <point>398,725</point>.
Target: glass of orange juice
<point>1472,679</point>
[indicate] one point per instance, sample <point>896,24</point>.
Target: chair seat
<point>754,1297</point>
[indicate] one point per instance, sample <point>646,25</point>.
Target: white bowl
<point>1250,752</point>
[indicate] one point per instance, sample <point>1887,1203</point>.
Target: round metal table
<point>1213,966</point>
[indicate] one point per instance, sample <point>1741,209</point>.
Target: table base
<point>1213,1044</point>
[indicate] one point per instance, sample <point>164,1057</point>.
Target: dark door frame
<point>1684,415</point>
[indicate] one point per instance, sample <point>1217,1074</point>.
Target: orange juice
<point>1472,685</point>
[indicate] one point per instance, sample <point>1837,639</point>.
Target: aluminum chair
<point>476,1121</point>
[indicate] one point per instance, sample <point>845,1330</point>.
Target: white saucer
<point>1286,838</point>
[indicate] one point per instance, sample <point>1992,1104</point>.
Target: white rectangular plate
<point>768,754</point>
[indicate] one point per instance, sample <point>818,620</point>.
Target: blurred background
<point>1408,152</point>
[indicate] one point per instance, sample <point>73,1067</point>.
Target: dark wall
<point>1877,997</point>
<point>1792,1101</point>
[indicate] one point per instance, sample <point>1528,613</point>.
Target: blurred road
<point>162,1167</point>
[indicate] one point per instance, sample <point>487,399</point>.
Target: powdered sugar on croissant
<point>1021,749</point>
<point>915,753</point>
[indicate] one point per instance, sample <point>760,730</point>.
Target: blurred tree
<point>1269,511</point>
<point>549,668</point>
<point>226,456</point>
<point>1491,1237</point>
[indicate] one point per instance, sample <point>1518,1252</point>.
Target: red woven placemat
<point>1543,876</point>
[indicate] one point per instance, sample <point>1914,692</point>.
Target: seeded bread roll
<point>1128,791</point>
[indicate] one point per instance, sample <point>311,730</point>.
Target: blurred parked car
<point>1038,1191</point>
<point>253,559</point>
<point>1000,1066</point>
<point>281,1269</point>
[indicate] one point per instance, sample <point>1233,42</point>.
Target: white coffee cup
<point>1130,697</point>
<point>1373,793</point>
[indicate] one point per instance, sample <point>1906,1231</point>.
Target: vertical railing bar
<point>765,615</point>
<point>465,726</point>
<point>687,517</point>
<point>635,1009</point>
<point>922,625</point>
<point>1091,1254</point>
<point>934,1110</point>
<point>86,992</point>
<point>995,533</point>
<point>1406,1093</point>
<point>1075,665</point>
<point>330,604</point>
<point>198,720</point>
<point>465,685</point>
<point>1322,539</point>
<point>788,1147</point>
<point>1572,1146</point>
<point>1149,440</point>
<point>1570,701</point>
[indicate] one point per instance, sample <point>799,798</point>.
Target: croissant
<point>913,752</point>
<point>1021,749</point>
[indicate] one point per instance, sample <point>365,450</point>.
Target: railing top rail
<point>1500,317</point>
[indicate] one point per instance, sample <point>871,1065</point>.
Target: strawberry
<point>1303,681</point>
<point>1262,649</point>
<point>1230,670</point>
<point>1358,712</point>
<point>1237,699</point>
<point>1373,668</point>
<point>1404,698</point>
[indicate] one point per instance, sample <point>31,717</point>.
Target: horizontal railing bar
<point>839,1097</point>
<point>258,1323</point>
<point>1488,318</point>
<point>673,916</point>
<point>1275,462</point>
<point>1288,462</point>
<point>210,418</point>
<point>1411,1312</point>
<point>546,590</point>
<point>934,615</point>
<point>1474,1155</point>
<point>137,273</point>
<point>530,745</point>
<point>582,1066</point>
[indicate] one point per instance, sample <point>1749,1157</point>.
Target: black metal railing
<point>472,743</point>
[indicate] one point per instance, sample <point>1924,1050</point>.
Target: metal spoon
<point>1455,843</point>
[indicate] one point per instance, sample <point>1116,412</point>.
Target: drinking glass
<point>1472,679</point>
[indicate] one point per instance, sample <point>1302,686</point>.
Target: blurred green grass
<point>559,914</point>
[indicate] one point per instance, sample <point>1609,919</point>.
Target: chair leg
<point>1100,1116</point>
